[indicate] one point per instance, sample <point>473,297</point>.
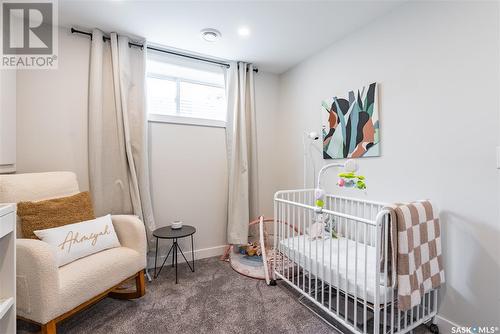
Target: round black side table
<point>168,232</point>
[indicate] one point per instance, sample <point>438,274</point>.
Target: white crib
<point>345,277</point>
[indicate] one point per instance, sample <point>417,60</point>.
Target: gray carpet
<point>214,299</point>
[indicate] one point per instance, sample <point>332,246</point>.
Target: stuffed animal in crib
<point>316,231</point>
<point>322,228</point>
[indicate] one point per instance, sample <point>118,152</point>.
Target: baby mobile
<point>347,179</point>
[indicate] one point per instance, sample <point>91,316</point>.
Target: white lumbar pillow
<point>74,241</point>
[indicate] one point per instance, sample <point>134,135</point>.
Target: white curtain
<point>242,152</point>
<point>117,129</point>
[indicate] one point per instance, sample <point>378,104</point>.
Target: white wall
<point>437,65</point>
<point>7,121</point>
<point>189,171</point>
<point>52,112</point>
<point>266,96</point>
<point>188,163</point>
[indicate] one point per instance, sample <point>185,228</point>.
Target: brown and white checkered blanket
<point>415,240</point>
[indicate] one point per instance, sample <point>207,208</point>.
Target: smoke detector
<point>210,35</point>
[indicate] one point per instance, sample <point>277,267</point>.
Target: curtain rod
<point>106,38</point>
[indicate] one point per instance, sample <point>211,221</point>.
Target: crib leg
<point>433,328</point>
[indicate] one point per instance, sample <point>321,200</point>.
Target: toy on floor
<point>257,258</point>
<point>251,249</point>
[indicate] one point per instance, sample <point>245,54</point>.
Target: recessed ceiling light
<point>210,35</point>
<point>244,31</point>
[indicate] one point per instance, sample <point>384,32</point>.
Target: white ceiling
<point>283,33</point>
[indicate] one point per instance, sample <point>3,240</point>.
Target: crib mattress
<point>311,256</point>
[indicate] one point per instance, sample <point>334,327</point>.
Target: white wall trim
<point>184,120</point>
<point>199,254</point>
<point>4,169</point>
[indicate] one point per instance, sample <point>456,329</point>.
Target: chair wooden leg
<point>140,284</point>
<point>49,328</point>
<point>140,289</point>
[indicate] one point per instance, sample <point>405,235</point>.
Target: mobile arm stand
<point>308,138</point>
<point>350,167</point>
<point>348,179</point>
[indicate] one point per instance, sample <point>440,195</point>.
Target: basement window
<point>185,91</point>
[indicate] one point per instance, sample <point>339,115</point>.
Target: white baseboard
<point>444,324</point>
<point>199,254</point>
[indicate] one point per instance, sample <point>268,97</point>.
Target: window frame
<point>178,118</point>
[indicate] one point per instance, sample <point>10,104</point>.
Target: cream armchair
<point>47,294</point>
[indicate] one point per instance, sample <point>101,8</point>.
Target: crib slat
<point>310,252</point>
<point>355,273</point>
<point>304,197</point>
<point>346,296</point>
<point>316,270</point>
<point>386,278</point>
<point>283,226</point>
<point>330,267</point>
<point>365,285</point>
<point>322,268</point>
<point>292,239</point>
<point>338,266</point>
<point>288,238</point>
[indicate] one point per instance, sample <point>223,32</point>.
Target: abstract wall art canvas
<point>351,127</point>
